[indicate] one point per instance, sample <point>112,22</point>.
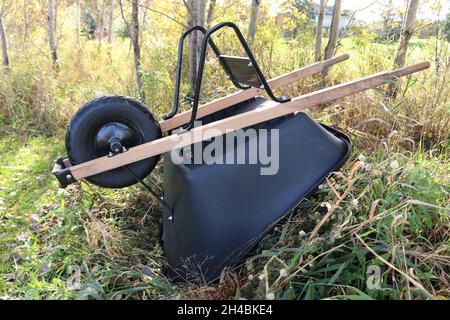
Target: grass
<point>85,242</point>
<point>388,231</point>
<point>78,243</point>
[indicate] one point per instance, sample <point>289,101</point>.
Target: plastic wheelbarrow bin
<point>219,212</point>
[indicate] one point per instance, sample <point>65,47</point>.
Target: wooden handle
<point>225,102</point>
<point>239,121</point>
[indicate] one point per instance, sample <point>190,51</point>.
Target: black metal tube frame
<point>179,68</point>
<point>207,40</point>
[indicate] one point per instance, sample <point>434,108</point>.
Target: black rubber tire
<point>84,125</point>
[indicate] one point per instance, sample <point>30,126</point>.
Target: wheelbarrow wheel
<point>109,125</point>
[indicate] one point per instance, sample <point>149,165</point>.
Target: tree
<point>447,27</point>
<point>391,25</point>
<point>334,32</point>
<point>102,21</point>
<point>305,6</point>
<point>3,9</point>
<point>136,46</point>
<point>89,23</point>
<point>51,19</point>
<point>319,30</point>
<point>253,20</point>
<point>133,31</point>
<point>407,32</point>
<point>5,59</point>
<point>78,22</point>
<point>210,16</point>
<point>196,9</point>
<point>25,21</point>
<point>299,16</point>
<point>111,21</point>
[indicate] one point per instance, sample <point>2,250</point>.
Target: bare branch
<point>127,24</point>
<point>188,7</point>
<point>5,7</point>
<point>159,12</point>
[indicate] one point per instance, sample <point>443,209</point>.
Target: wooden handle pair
<point>240,121</point>
<point>232,99</point>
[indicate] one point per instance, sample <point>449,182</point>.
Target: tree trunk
<point>102,21</point>
<point>97,13</point>
<point>407,32</point>
<point>210,16</point>
<point>197,18</point>
<point>55,20</point>
<point>111,22</point>
<point>25,21</point>
<point>253,20</point>
<point>192,46</point>
<point>136,46</point>
<point>78,22</point>
<point>334,32</point>
<point>51,33</point>
<point>201,22</point>
<point>319,30</point>
<point>4,44</point>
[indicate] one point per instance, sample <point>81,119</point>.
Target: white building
<point>343,22</point>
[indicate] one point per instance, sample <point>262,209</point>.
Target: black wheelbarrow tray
<point>214,214</point>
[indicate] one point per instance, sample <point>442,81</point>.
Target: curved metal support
<point>179,66</point>
<point>206,39</point>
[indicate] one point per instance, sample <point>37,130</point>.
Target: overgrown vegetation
<point>389,203</point>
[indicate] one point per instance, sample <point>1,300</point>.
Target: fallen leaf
<point>355,167</point>
<point>372,210</point>
<point>147,271</point>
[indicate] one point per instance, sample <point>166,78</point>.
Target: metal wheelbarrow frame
<point>68,173</point>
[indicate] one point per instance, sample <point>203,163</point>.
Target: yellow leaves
<point>436,6</point>
<point>299,15</point>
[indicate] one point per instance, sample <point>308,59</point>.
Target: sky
<point>370,9</point>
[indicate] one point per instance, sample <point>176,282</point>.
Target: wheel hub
<point>114,137</point>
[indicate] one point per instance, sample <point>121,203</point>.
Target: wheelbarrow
<point>215,213</point>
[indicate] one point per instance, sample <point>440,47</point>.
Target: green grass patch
<point>78,243</point>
